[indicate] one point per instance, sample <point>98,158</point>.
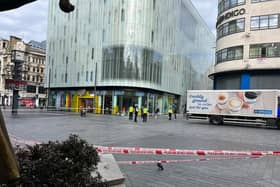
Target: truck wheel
<point>277,123</point>
<point>216,120</point>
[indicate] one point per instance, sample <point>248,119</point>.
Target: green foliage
<point>64,164</point>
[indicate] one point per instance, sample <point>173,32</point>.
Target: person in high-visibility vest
<point>131,110</point>
<point>145,114</point>
<point>170,113</point>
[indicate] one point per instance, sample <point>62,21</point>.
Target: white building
<point>248,45</point>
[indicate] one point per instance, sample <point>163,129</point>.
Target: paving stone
<point>162,133</point>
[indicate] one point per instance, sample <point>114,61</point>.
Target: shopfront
<point>115,102</point>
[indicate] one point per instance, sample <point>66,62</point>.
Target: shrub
<point>64,164</point>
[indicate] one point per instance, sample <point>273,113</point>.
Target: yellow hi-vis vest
<point>170,111</point>
<point>131,109</point>
<point>145,111</point>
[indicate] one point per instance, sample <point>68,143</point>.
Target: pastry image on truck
<point>260,107</point>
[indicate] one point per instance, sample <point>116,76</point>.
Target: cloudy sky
<point>30,22</point>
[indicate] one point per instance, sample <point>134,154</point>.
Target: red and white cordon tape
<point>184,161</point>
<point>181,152</point>
<point>160,151</point>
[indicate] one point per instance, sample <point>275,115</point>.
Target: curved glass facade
<point>148,52</point>
<point>132,63</point>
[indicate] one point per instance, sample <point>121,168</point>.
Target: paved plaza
<point>162,133</point>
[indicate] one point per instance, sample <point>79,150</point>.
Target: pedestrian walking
<point>145,114</point>
<point>170,113</point>
<point>156,113</point>
<point>82,112</point>
<point>130,112</point>
<point>135,113</point>
<point>142,113</point>
<point>185,110</point>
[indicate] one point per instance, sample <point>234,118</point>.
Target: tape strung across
<point>182,152</point>
<point>184,161</point>
<point>159,151</point>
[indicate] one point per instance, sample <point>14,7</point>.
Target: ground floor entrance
<point>116,102</point>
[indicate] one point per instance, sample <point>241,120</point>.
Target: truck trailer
<point>258,107</point>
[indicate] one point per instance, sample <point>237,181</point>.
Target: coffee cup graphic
<point>235,104</point>
<point>250,97</point>
<point>222,98</point>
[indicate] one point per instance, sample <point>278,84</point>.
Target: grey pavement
<point>162,133</point>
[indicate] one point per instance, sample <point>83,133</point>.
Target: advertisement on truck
<point>233,103</point>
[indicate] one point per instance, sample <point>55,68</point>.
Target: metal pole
<point>49,89</point>
<point>95,81</point>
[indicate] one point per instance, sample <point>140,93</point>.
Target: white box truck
<point>235,106</point>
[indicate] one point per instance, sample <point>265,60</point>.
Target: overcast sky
<point>30,22</point>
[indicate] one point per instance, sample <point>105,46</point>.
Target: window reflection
<point>131,63</point>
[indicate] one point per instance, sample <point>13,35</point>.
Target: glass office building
<point>111,54</point>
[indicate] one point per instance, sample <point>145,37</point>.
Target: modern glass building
<point>248,45</point>
<point>111,54</point>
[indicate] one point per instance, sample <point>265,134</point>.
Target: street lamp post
<point>95,82</point>
<point>49,89</point>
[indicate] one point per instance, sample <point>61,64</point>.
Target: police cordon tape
<point>182,152</point>
<point>18,141</point>
<point>160,151</point>
<point>185,161</point>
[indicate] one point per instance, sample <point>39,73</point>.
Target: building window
<point>66,77</point>
<point>122,15</point>
<point>265,22</point>
<point>224,5</point>
<point>91,76</point>
<point>152,36</point>
<point>229,54</point>
<point>132,63</point>
<point>258,1</point>
<point>86,75</point>
<point>154,4</point>
<point>33,69</point>
<point>78,76</point>
<point>109,18</point>
<point>92,53</point>
<point>231,27</point>
<point>31,89</point>
<point>268,50</point>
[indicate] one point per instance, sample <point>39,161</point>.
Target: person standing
<point>170,113</point>
<point>131,112</point>
<point>175,112</point>
<point>185,110</point>
<point>81,110</point>
<point>145,114</point>
<point>142,113</point>
<point>135,113</point>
